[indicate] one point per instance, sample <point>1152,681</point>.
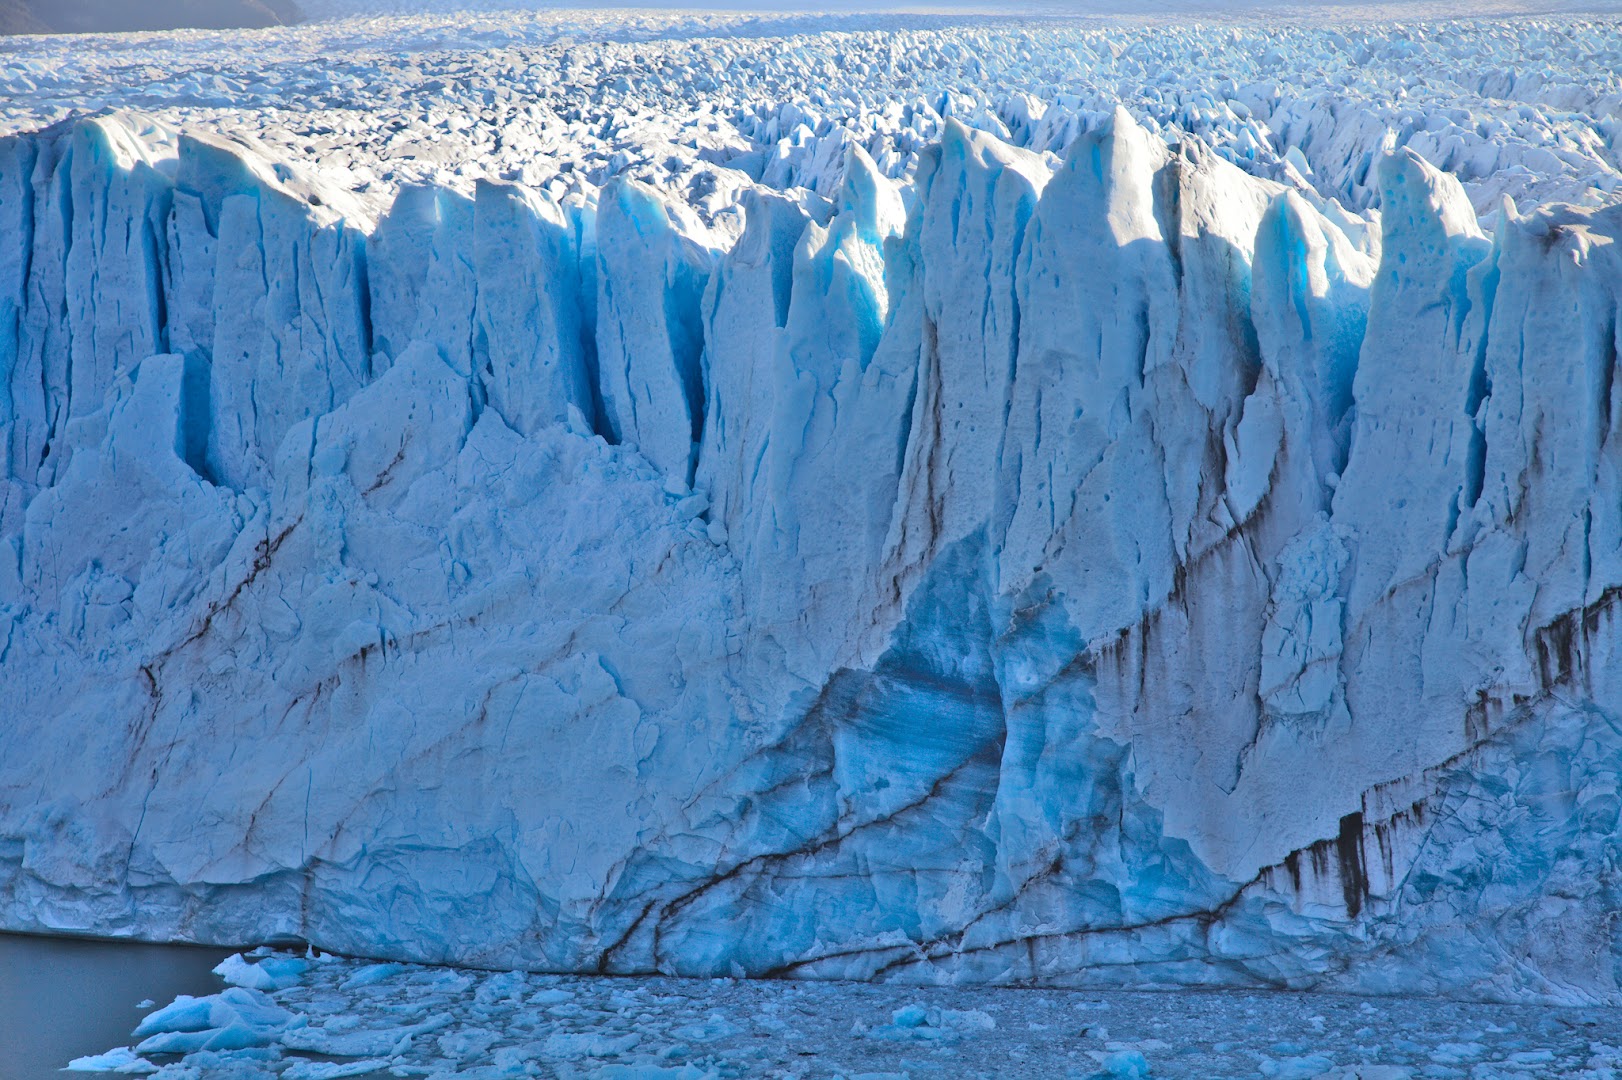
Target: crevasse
<point>1108,569</point>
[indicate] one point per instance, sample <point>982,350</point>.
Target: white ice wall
<point>1109,571</point>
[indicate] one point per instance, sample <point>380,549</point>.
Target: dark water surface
<point>62,998</point>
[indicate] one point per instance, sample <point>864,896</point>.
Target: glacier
<point>1070,550</point>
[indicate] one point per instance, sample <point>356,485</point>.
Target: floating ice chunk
<point>372,974</point>
<point>516,1060</point>
<point>269,974</point>
<point>332,1070</point>
<point>337,1040</point>
<point>1122,1065</point>
<point>569,1046</point>
<point>1305,1067</point>
<point>1457,1053</point>
<point>653,1072</point>
<point>459,1045</point>
<point>909,1016</point>
<point>715,1026</point>
<point>930,1023</point>
<point>122,1060</point>
<point>552,996</point>
<point>185,1013</point>
<point>234,1019</point>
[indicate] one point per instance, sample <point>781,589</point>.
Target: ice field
<point>333,1018</point>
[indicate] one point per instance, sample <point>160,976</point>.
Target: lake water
<point>62,998</point>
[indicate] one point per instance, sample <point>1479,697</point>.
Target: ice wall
<point>1107,569</point>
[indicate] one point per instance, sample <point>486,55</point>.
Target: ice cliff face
<point>1113,567</point>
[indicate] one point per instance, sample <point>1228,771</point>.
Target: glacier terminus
<point>935,499</point>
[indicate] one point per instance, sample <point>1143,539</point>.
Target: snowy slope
<point>860,498</point>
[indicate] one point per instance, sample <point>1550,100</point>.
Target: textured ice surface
<point>701,103</point>
<point>941,501</point>
<point>394,1020</point>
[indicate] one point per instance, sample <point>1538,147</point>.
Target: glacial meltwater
<point>62,998</point>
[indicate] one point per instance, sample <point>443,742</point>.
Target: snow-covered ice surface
<point>342,1018</point>
<point>926,498</point>
<point>1527,106</point>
